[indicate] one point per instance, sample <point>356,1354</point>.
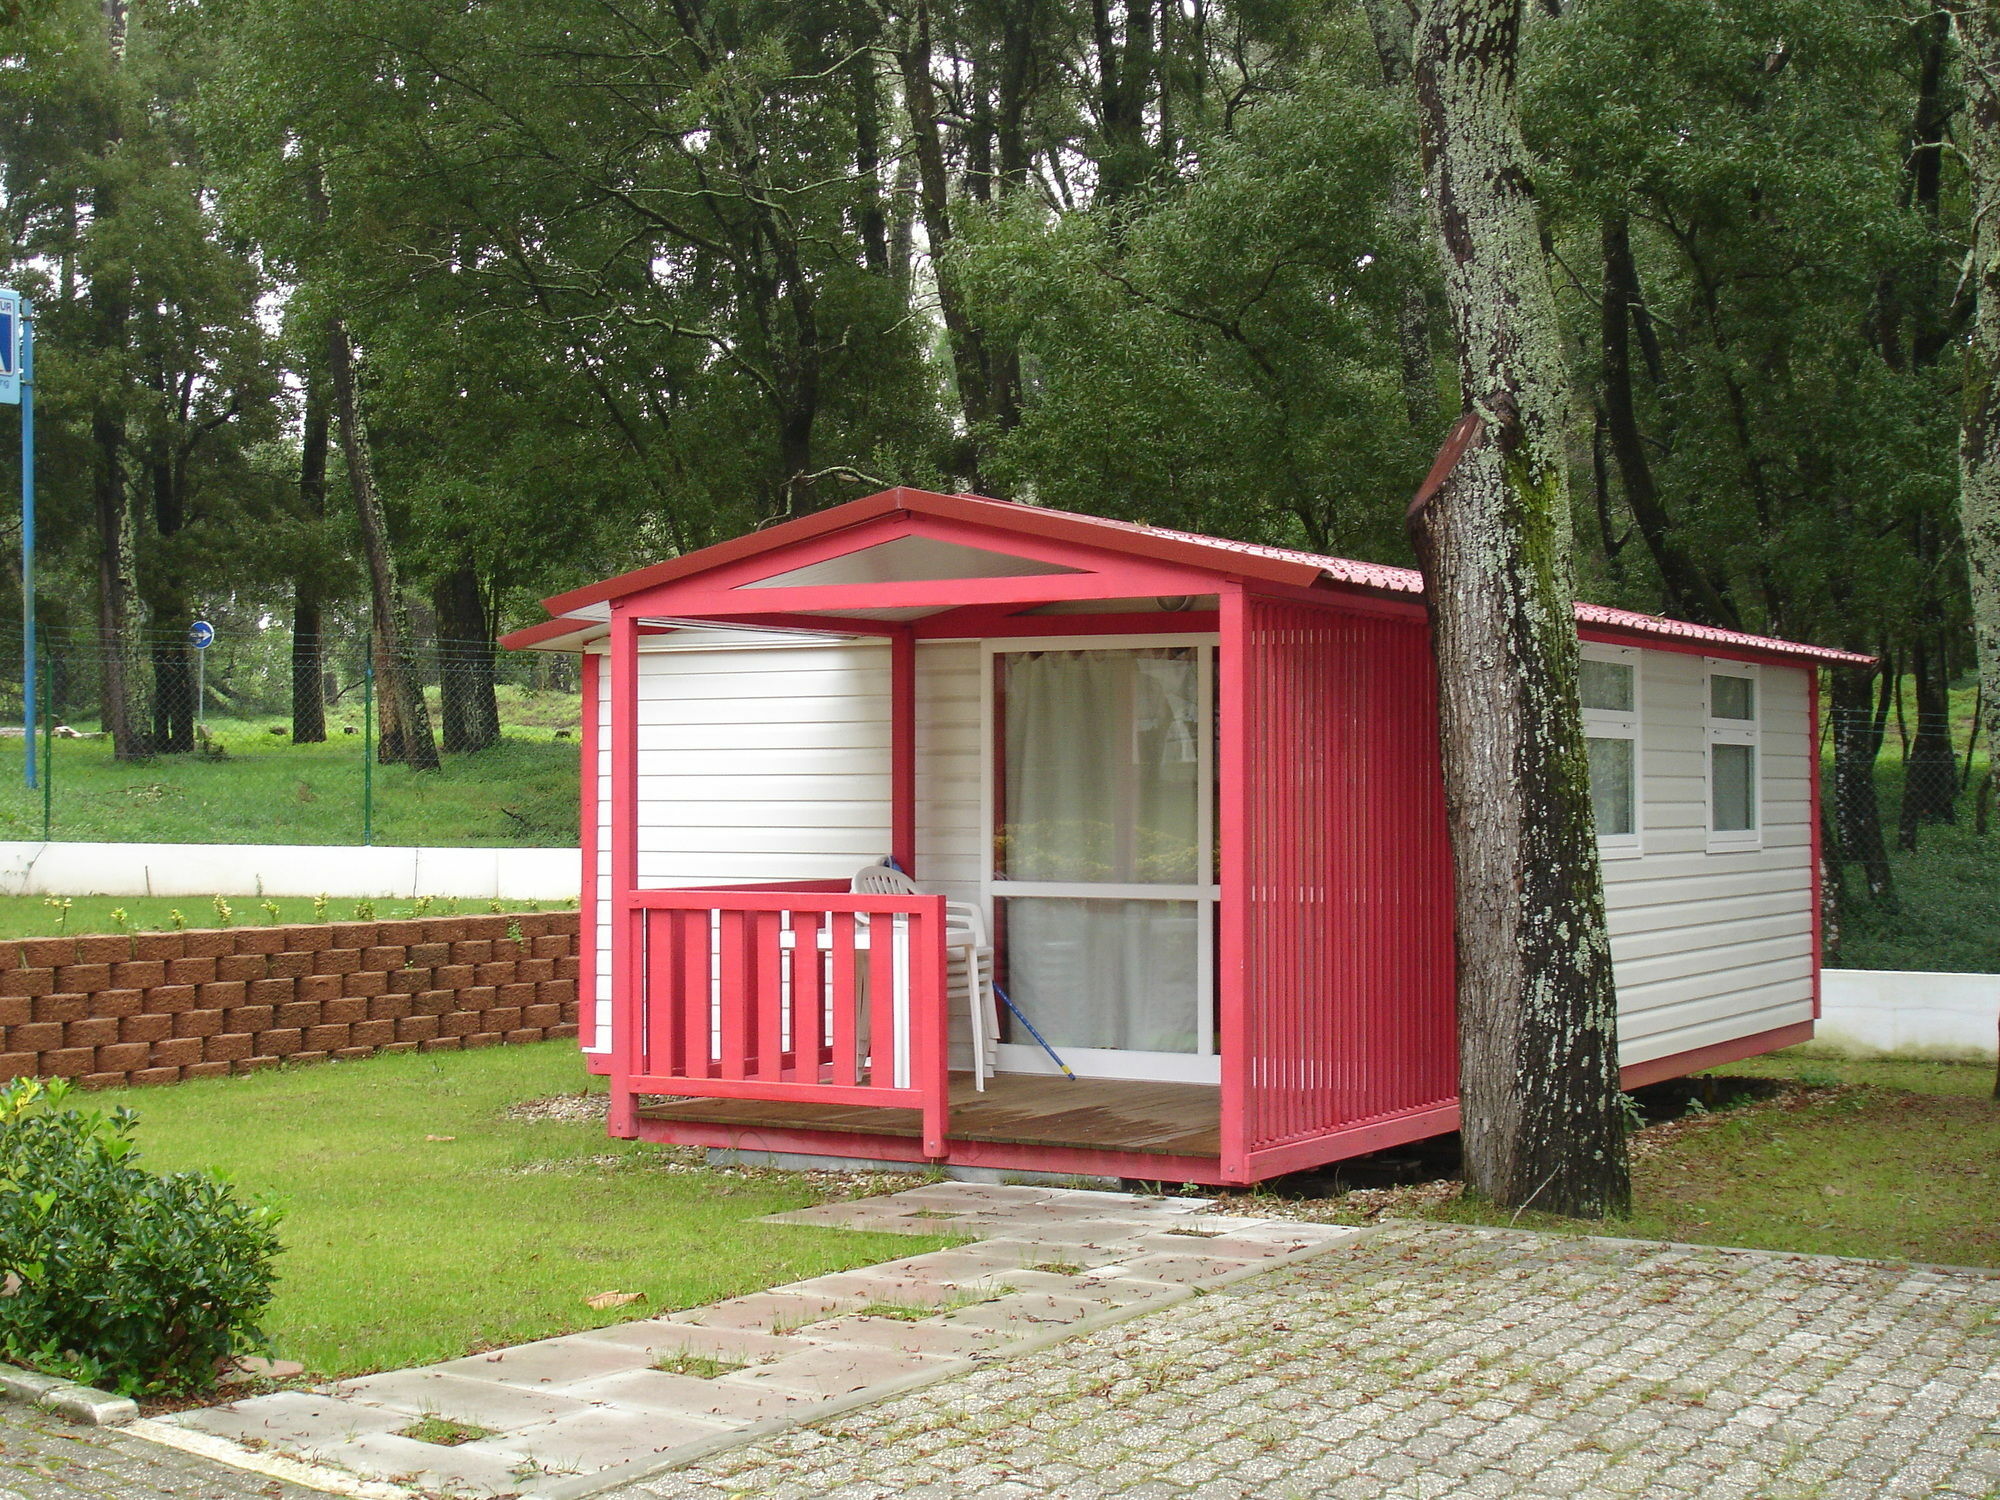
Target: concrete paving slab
<point>548,1362</point>
<point>1105,1291</point>
<point>1215,1246</point>
<point>915,1287</point>
<point>837,1371</point>
<point>1081,1232</point>
<point>1184,1269</point>
<point>467,1469</point>
<point>766,1312</point>
<point>656,1337</point>
<point>602,1438</point>
<point>458,1398</point>
<point>899,1335</point>
<point>1024,1313</point>
<point>708,1400</point>
<point>291,1420</point>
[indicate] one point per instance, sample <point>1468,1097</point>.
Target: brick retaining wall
<point>158,1007</point>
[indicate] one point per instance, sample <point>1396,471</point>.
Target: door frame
<point>1204,1065</point>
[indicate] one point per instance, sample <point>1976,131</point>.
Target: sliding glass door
<point>1102,881</point>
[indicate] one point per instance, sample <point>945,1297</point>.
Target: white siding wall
<point>755,763</point>
<point>949,838</point>
<point>1711,946</point>
<point>772,763</point>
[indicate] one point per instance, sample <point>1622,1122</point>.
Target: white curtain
<point>1100,785</point>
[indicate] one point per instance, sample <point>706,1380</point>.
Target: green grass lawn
<point>1888,1160</point>
<point>1947,914</point>
<point>35,916</point>
<point>422,1222</point>
<point>266,790</point>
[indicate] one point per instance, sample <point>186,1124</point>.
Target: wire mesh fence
<point>1907,821</point>
<point>268,736</point>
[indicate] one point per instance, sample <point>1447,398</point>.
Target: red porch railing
<point>804,996</point>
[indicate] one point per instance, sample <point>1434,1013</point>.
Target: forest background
<point>363,326</point>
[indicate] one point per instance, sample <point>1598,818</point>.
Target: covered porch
<point>1168,873</point>
<point>1155,1129</point>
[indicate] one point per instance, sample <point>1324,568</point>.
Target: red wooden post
<point>762,933</point>
<point>625,937</point>
<point>930,1062</point>
<point>691,991</point>
<point>1813,815</point>
<point>808,1002</point>
<point>903,749</point>
<point>1232,815</point>
<point>587,823</point>
<point>847,1001</point>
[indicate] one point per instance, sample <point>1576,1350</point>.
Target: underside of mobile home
<point>1190,786</point>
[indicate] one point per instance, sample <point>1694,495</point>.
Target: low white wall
<point>65,869</point>
<point>1885,1010</point>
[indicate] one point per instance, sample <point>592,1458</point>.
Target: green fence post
<point>48,766</point>
<point>368,744</point>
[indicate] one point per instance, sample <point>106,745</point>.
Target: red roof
<point>1251,560</point>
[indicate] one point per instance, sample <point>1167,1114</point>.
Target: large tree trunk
<point>1979,440</point>
<point>1393,24</point>
<point>982,401</point>
<point>120,659</point>
<point>308,612</point>
<point>1857,812</point>
<point>468,712</point>
<point>396,677</point>
<point>1690,592</point>
<point>1537,1014</point>
<point>174,706</point>
<point>1930,771</point>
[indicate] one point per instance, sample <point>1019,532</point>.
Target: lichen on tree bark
<point>1542,1125</point>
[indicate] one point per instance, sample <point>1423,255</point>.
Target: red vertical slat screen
<point>1348,959</point>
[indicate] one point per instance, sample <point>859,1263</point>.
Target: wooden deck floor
<point>1165,1119</point>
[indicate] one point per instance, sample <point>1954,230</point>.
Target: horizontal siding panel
<point>800,742</point>
<point>1732,932</point>
<point>679,712</point>
<point>1716,955</point>
<point>1702,989</point>
<point>1747,1022</point>
<point>1747,1019</point>
<point>1713,882</point>
<point>1670,917</point>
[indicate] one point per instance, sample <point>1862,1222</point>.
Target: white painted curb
<point>198,870</point>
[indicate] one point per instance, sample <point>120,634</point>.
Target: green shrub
<point>124,1277</point>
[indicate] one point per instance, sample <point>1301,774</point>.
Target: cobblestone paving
<point>1430,1363</point>
<point>43,1457</point>
<point>1041,1261</point>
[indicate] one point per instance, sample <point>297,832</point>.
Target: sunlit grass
<point>423,1223</point>
<point>266,790</point>
<point>1885,1160</point>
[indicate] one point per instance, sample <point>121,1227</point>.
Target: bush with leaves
<point>121,1276</point>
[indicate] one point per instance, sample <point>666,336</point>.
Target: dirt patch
<point>564,1109</point>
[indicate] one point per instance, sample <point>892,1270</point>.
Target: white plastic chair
<point>970,955</point>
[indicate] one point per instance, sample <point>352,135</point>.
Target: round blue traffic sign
<point>201,634</point>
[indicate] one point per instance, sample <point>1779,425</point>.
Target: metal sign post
<point>201,635</point>
<point>17,388</point>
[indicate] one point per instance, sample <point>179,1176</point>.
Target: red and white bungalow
<point>1191,786</point>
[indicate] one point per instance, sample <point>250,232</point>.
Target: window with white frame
<point>1608,688</point>
<point>1735,816</point>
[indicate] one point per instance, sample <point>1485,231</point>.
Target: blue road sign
<point>201,635</point>
<point>10,348</point>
